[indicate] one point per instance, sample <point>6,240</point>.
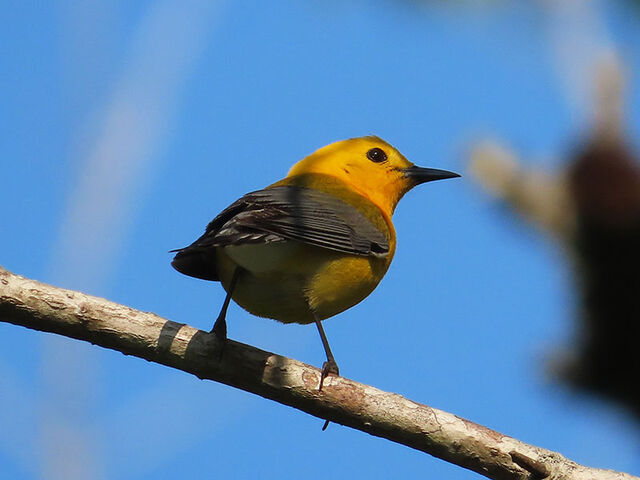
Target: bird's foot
<point>330,366</point>
<point>219,330</point>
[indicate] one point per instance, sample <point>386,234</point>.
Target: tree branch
<point>73,314</point>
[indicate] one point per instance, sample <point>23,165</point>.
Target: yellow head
<point>372,167</point>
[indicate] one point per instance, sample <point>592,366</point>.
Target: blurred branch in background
<point>42,307</point>
<point>118,145</point>
<point>593,208</point>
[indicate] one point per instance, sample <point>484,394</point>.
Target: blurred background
<point>127,126</point>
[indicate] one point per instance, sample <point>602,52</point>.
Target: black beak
<point>421,175</point>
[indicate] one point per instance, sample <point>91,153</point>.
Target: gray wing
<point>283,213</point>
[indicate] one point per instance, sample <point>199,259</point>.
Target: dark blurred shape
<point>593,209</point>
<point>604,183</point>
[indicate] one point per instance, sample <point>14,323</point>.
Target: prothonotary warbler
<point>313,244</point>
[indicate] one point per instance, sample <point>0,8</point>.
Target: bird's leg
<point>330,366</point>
<point>220,327</point>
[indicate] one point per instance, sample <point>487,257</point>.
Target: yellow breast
<point>285,281</point>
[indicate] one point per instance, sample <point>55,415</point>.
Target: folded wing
<point>278,214</point>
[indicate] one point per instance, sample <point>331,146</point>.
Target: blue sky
<point>127,126</point>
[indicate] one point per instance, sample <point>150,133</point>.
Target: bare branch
<point>538,196</point>
<point>42,307</point>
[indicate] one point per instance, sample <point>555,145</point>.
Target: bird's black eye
<point>376,155</point>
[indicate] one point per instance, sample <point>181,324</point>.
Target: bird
<point>313,244</point>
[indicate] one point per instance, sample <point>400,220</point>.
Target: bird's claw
<point>219,330</point>
<point>330,366</point>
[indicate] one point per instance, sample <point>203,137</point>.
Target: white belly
<point>261,258</point>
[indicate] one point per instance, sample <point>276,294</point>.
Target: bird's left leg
<point>220,326</point>
<point>330,366</point>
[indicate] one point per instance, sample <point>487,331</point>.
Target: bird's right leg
<point>220,326</point>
